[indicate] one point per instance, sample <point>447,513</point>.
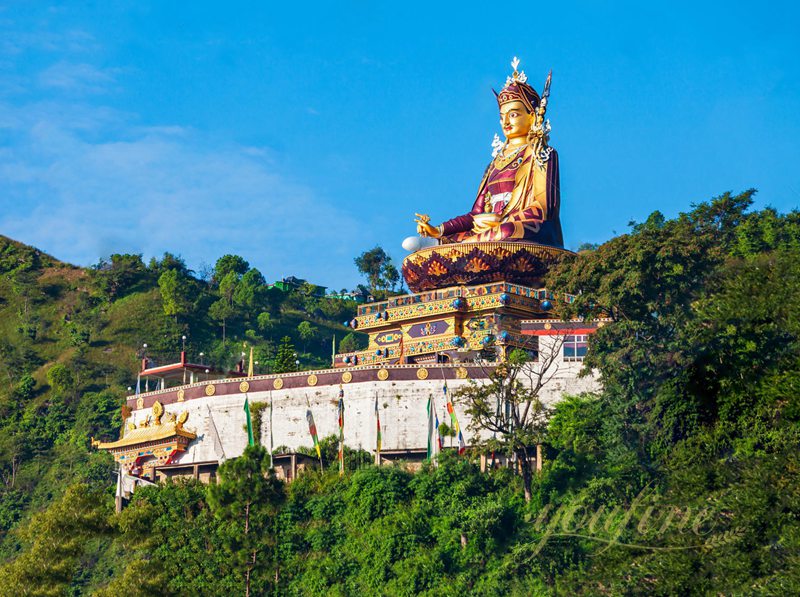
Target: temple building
<point>477,294</point>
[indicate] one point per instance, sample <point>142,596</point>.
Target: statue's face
<point>515,120</point>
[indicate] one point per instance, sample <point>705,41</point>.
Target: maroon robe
<point>531,218</point>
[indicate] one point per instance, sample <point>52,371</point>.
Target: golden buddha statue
<point>519,196</point>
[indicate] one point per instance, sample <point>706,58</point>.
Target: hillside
<point>681,477</point>
<point>71,340</point>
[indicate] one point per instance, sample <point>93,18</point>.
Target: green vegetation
<point>681,477</point>
<point>382,275</point>
<point>71,340</point>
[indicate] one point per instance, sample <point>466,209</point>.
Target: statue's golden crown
<point>517,89</point>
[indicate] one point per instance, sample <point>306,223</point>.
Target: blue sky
<point>300,134</point>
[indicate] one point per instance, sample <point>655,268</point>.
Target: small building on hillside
<point>292,283</point>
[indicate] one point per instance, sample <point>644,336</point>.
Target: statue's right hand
<point>428,230</point>
<point>425,229</point>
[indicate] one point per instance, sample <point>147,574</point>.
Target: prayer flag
<point>250,365</point>
<point>438,431</point>
<point>312,429</point>
<point>433,442</point>
<point>462,446</point>
<point>250,440</point>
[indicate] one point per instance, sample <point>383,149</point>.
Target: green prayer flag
<point>250,440</point>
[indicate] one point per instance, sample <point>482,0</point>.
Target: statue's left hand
<point>485,222</point>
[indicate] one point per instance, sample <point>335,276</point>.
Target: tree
<point>284,360</point>
<point>308,289</point>
<point>230,264</point>
<point>60,378</point>
<point>172,545</point>
<point>265,321</point>
<point>650,283</point>
<point>167,262</point>
<point>249,291</point>
<point>120,273</point>
<point>508,406</point>
<point>391,276</point>
<point>56,540</point>
<point>176,289</point>
<point>377,266</point>
<point>349,343</point>
<point>246,501</point>
<point>307,332</point>
<point>223,309</point>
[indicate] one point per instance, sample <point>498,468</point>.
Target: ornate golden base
<point>478,263</point>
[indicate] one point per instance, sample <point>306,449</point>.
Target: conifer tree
<point>284,361</point>
<point>246,501</point>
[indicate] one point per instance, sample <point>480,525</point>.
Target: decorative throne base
<point>461,264</point>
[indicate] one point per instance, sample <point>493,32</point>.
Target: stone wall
<point>402,398</point>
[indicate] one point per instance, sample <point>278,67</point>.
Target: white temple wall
<point>402,406</point>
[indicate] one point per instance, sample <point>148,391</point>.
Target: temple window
<point>574,348</point>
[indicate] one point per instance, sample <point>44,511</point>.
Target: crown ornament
<point>516,77</point>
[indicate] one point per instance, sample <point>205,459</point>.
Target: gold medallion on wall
<point>277,383</point>
<point>211,389</point>
<point>422,373</point>
<point>312,380</point>
<point>383,374</point>
<point>244,387</point>
<point>347,377</point>
<point>181,395</point>
<point>140,402</point>
<point>462,373</point>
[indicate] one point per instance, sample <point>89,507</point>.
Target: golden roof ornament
<point>158,412</point>
<point>145,432</point>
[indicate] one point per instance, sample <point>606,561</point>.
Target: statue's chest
<point>503,175</point>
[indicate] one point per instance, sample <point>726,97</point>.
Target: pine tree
<point>246,501</point>
<point>284,361</point>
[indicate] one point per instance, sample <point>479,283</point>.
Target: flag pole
<point>378,432</point>
<point>271,463</point>
<point>341,430</point>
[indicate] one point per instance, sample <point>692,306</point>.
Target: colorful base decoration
<point>478,263</point>
<point>448,325</point>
